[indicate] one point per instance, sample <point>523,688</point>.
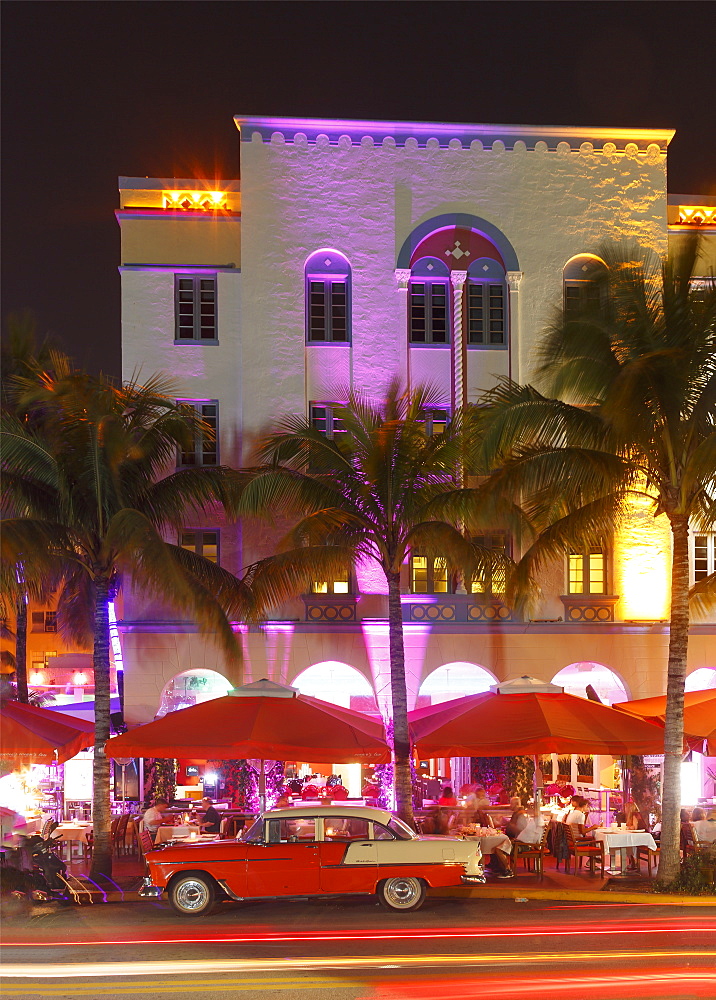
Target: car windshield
<point>401,830</point>
<point>255,833</point>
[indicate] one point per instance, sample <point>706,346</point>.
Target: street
<point>350,949</point>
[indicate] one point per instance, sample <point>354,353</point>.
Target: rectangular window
<point>326,419</point>
<point>37,621</point>
<point>429,576</point>
<point>704,555</point>
<point>579,295</point>
<point>428,312</point>
<point>195,308</point>
<point>203,543</point>
<point>206,443</point>
<point>485,314</point>
<point>586,573</point>
<point>492,581</point>
<point>436,421</point>
<point>341,586</point>
<point>50,621</point>
<point>327,311</point>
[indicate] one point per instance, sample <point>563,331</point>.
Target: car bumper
<point>149,891</point>
<point>474,879</point>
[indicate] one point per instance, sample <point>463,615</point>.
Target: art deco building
<point>351,252</point>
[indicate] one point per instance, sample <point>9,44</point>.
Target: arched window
<point>191,688</point>
<point>328,298</point>
<point>576,677</point>
<point>583,281</point>
<point>486,304</point>
<point>429,313</point>
<point>454,680</point>
<point>338,683</point>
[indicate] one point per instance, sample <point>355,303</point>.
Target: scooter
<point>35,871</point>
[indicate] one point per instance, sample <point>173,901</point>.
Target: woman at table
<point>631,816</point>
<point>447,799</point>
<point>705,829</point>
<point>697,814</point>
<point>577,816</point>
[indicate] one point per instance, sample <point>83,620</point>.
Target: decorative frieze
<point>590,608</point>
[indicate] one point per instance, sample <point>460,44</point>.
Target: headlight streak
<point>196,966</point>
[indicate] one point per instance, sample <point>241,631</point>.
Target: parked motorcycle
<point>33,872</point>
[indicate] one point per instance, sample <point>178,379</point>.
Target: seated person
<point>210,821</point>
<point>577,816</point>
<point>532,831</point>
<point>685,830</point>
<point>436,823</point>
<point>154,816</point>
<point>483,801</point>
<point>631,816</point>
<point>697,814</point>
<point>447,798</point>
<point>483,818</point>
<point>516,823</point>
<point>705,829</point>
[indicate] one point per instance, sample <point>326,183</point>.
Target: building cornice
<point>347,132</point>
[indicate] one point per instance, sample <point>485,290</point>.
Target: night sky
<point>94,90</point>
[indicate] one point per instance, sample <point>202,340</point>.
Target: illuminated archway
<point>576,677</point>
<point>191,688</point>
<point>454,680</point>
<point>338,683</point>
<point>701,679</point>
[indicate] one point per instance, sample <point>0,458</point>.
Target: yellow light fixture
<point>195,201</point>
<point>697,215</point>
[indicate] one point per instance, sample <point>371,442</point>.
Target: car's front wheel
<point>193,894</point>
<point>402,893</point>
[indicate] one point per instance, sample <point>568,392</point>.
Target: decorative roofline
<point>175,184</point>
<point>347,132</point>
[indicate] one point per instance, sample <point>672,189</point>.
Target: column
<point>402,278</point>
<point>513,283</point>
<point>458,279</point>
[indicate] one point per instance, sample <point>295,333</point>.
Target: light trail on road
<point>162,970</point>
<point>422,934</point>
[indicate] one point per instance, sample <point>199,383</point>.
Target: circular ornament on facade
<point>367,140</point>
<point>603,614</point>
<point>300,139</point>
<point>315,613</point>
<point>519,146</point>
<point>609,149</point>
<point>389,142</point>
<point>498,146</point>
<point>278,138</point>
<point>411,142</point>
<point>455,144</point>
<point>345,142</point>
<point>563,148</point>
<point>477,146</point>
<point>590,614</point>
<point>631,149</point>
<point>448,612</point>
<point>575,614</point>
<point>432,143</point>
<point>433,612</point>
<point>541,146</point>
<point>346,612</point>
<point>587,148</point>
<point>417,612</point>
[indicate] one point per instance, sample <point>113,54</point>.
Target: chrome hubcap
<point>191,895</point>
<point>401,892</point>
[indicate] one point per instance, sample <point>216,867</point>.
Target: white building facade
<point>348,254</point>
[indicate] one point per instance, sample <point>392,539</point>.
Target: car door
<point>286,863</point>
<point>348,856</point>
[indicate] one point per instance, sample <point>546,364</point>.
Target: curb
<point>571,896</point>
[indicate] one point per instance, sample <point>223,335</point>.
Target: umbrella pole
<point>535,789</point>
<point>262,786</point>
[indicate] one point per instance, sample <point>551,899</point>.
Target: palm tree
<point>376,490</point>
<point>21,355</point>
<point>89,504</point>
<point>629,410</point>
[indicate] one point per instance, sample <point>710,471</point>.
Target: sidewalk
<point>554,885</point>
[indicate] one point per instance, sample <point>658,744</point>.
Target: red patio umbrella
<point>499,724</point>
<point>699,714</point>
<point>260,720</point>
<point>32,735</point>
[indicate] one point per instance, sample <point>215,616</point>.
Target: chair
<point>119,834</point>
<point>651,857</point>
<point>531,852</point>
<point>583,849</point>
<point>145,841</point>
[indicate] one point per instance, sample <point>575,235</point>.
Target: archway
<point>454,680</point>
<point>192,687</point>
<point>338,683</point>
<point>701,679</point>
<point>576,677</point>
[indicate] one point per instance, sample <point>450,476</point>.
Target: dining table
<point>489,839</point>
<point>74,832</point>
<point>616,840</point>
<point>183,832</point>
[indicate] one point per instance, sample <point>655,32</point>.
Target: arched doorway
<point>191,688</point>
<point>576,677</point>
<point>338,683</point>
<point>701,679</point>
<point>454,680</point>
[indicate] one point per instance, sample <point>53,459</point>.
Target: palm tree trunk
<point>399,698</point>
<point>674,720</point>
<point>21,651</point>
<point>101,811</point>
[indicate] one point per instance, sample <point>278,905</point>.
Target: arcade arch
<point>701,679</point>
<point>454,680</point>
<point>338,683</point>
<point>191,687</point>
<point>576,677</point>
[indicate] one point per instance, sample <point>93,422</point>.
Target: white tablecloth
<point>165,833</point>
<point>492,841</point>
<point>68,831</point>
<point>616,840</point>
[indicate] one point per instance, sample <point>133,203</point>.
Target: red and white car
<point>313,851</point>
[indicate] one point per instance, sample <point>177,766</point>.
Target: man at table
<point>154,816</point>
<point>211,820</point>
<point>705,829</point>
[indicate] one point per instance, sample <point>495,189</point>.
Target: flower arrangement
<point>564,791</point>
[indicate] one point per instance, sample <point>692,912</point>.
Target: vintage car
<point>312,851</point>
